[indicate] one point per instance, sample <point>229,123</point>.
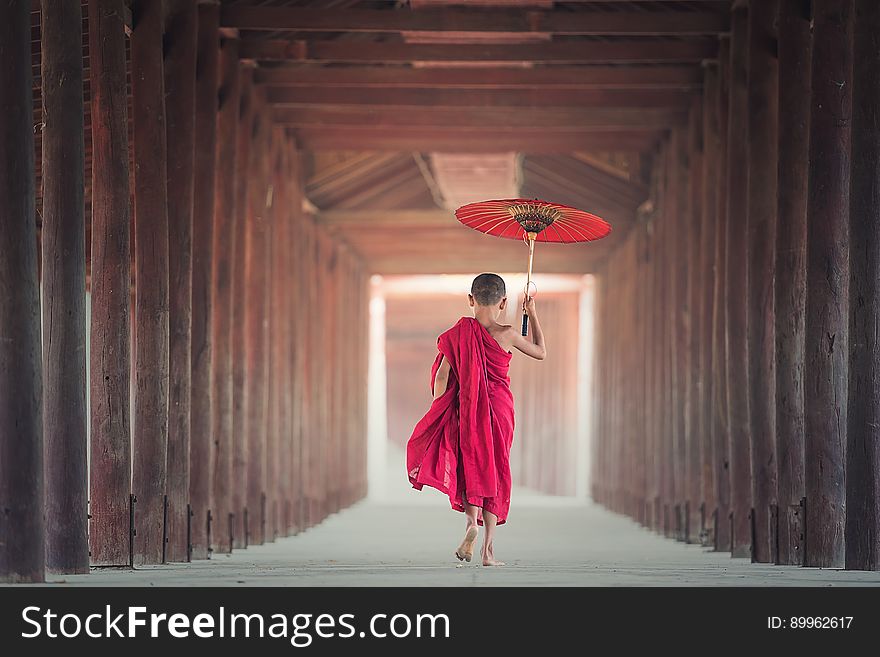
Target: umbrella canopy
<point>543,221</point>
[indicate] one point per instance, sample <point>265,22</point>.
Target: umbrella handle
<point>525,326</point>
<point>525,323</point>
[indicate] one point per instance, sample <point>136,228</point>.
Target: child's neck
<point>485,315</point>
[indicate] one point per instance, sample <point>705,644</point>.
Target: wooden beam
<point>205,135</point>
<point>448,141</point>
<point>22,525</point>
<point>221,305</point>
<point>64,290</point>
<point>540,99</point>
<point>446,20</point>
<point>464,118</point>
<point>180,79</point>
<point>355,52</point>
<point>150,439</point>
<point>827,316</point>
<point>583,77</point>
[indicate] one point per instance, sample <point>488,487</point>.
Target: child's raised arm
<point>534,347</point>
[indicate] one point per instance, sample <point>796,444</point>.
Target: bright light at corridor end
<point>386,471</point>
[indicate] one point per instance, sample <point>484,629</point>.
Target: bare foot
<point>489,557</point>
<point>465,551</point>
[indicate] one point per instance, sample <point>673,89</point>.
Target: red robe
<point>462,445</point>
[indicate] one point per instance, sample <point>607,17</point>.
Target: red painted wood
<point>180,103</point>
<point>150,439</point>
<point>205,136</point>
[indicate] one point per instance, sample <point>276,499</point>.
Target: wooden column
<point>737,286</point>
<point>720,427</point>
<point>255,334</point>
<point>761,231</point>
<point>64,289</point>
<point>239,304</point>
<point>221,318</point>
<point>708,273</point>
<point>110,284</point>
<point>863,413</point>
<point>273,263</point>
<point>150,442</point>
<point>205,136</point>
<point>296,277</point>
<point>795,44</point>
<point>22,551</point>
<point>693,317</point>
<point>180,103</point>
<point>827,319</point>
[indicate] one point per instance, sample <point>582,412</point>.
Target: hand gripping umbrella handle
<point>525,323</point>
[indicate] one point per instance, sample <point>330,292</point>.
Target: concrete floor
<point>409,542</point>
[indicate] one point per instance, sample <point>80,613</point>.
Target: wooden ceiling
<point>582,91</point>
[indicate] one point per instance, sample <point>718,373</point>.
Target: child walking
<point>461,446</point>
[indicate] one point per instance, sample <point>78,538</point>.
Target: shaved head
<point>488,289</point>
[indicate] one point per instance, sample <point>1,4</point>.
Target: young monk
<point>462,445</point>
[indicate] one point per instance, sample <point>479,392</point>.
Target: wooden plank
<point>863,413</point>
<point>827,317</point>
<point>737,281</point>
<point>205,136</point>
<point>221,320</point>
<point>581,77</point>
<point>239,358</point>
<point>150,439</point>
<point>560,52</point>
<point>180,103</point>
<point>450,142</point>
<point>64,290</point>
<point>574,120</point>
<point>763,145</point>
<point>537,99</point>
<point>795,44</point>
<point>445,20</point>
<point>22,525</point>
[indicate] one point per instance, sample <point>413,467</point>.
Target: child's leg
<point>490,521</point>
<point>465,551</point>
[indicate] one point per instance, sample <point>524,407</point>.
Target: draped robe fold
<point>461,446</point>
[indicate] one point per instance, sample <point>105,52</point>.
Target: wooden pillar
<point>239,304</point>
<point>64,289</point>
<point>296,277</point>
<point>827,319</point>
<point>737,286</point>
<point>110,284</point>
<point>863,413</point>
<point>795,44</point>
<point>761,232</point>
<point>720,427</point>
<point>708,273</point>
<point>255,334</point>
<point>205,136</point>
<point>221,318</point>
<point>150,442</point>
<point>180,103</point>
<point>22,549</point>
<point>273,216</point>
<point>693,318</point>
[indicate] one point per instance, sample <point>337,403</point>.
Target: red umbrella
<point>532,221</point>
